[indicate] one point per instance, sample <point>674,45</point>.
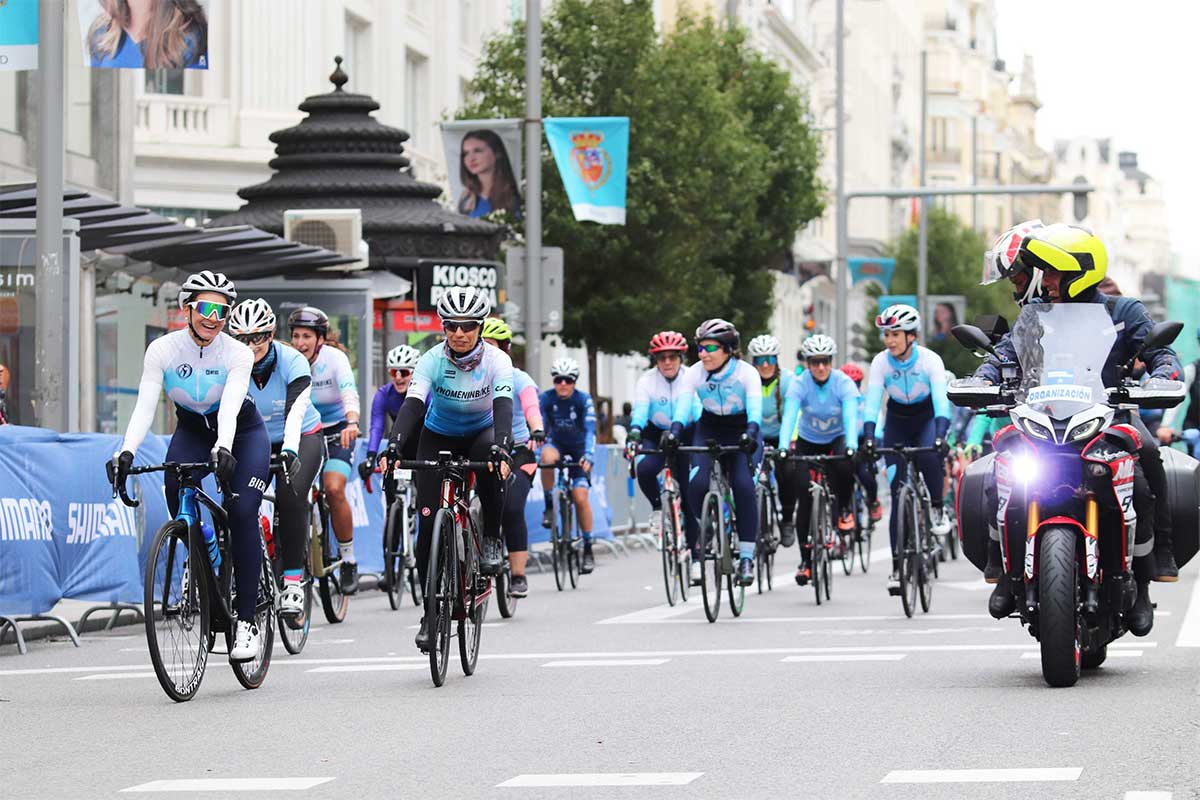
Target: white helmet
<point>764,345</point>
<point>565,368</point>
<point>403,357</point>
<point>818,346</point>
<point>206,281</point>
<point>899,317</point>
<point>251,316</point>
<point>464,303</point>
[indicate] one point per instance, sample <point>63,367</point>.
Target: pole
<point>843,235</point>
<point>50,408</point>
<point>533,188</point>
<point>922,228</point>
<point>974,171</point>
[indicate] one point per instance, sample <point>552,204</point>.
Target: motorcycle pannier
<point>976,516</point>
<point>1183,493</point>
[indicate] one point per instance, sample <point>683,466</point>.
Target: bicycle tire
<point>440,594</point>
<point>828,534</point>
<point>846,544</point>
<point>558,553</point>
<point>670,558</point>
<point>864,532</point>
<point>504,599</point>
<point>470,624</point>
<point>710,555</point>
<point>393,558</point>
<point>333,601</point>
<point>294,630</point>
<point>815,550</point>
<point>908,555</point>
<point>734,587</point>
<point>250,674</point>
<point>760,546</point>
<point>572,552</point>
<point>683,551</point>
<point>181,678</point>
<point>926,561</point>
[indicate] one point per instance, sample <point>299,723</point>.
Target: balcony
<point>179,119</point>
<point>947,155</point>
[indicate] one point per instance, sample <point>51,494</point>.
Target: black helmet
<point>309,317</point>
<point>719,330</point>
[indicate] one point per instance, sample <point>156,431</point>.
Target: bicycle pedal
<point>894,591</point>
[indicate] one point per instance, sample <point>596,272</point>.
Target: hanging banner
<point>872,269</point>
<point>592,154</point>
<point>174,37</point>
<point>18,34</point>
<point>483,163</point>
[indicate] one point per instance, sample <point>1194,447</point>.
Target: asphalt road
<point>606,692</point>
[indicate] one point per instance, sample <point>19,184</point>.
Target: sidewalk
<point>71,611</point>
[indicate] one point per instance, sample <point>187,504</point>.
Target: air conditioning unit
<point>335,229</point>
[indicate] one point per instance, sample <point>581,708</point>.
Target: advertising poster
<point>18,34</point>
<point>155,34</point>
<point>483,162</point>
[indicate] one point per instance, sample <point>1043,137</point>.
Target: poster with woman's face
<point>483,162</point>
<point>945,311</point>
<point>144,34</point>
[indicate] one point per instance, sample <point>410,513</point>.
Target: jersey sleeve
<point>589,428</point>
<point>348,387</point>
<point>424,376</point>
<point>293,424</point>
<point>849,394</point>
<point>937,385</point>
<point>531,407</point>
<point>874,400</point>
<point>502,378</point>
<point>378,419</point>
<point>684,403</point>
<point>641,403</point>
<point>752,385</point>
<point>237,383</point>
<point>791,411</point>
<point>149,389</point>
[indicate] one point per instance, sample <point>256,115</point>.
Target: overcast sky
<point>1127,69</point>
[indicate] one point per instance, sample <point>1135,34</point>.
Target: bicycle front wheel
<point>440,594</point>
<point>816,541</point>
<point>683,551</point>
<point>293,630</point>
<point>393,555</point>
<point>475,603</point>
<point>333,601</point>
<point>250,674</point>
<point>504,599</point>
<point>908,552</point>
<point>711,551</point>
<point>926,563</point>
<point>670,558</point>
<point>572,552</point>
<point>863,532</point>
<point>176,611</point>
<point>558,542</point>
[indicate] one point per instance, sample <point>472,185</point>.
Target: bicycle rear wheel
<point>711,550</point>
<point>333,601</point>
<point>176,611</point>
<point>670,558</point>
<point>250,674</point>
<point>393,557</point>
<point>293,630</point>
<point>908,552</point>
<point>440,594</point>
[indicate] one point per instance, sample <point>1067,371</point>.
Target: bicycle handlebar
<point>454,463</point>
<point>176,467</point>
<point>905,451</point>
<point>719,449</point>
<point>816,459</point>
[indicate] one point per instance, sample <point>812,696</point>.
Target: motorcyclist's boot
<point>1141,618</point>
<point>1002,603</point>
<point>995,562</point>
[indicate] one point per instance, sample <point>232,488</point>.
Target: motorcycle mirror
<point>972,338</point>
<point>1161,335</point>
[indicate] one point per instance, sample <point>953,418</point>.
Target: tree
<point>722,167</point>
<point>955,260</point>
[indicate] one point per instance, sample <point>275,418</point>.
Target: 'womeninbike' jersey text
<point>459,401</point>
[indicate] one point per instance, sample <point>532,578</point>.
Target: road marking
<point>367,668</point>
<point>1189,630</point>
<point>654,614</point>
<point>1148,796</point>
<point>114,676</point>
<point>652,619</point>
<point>230,785</point>
<point>1134,645</point>
<point>843,658</point>
<point>966,586</point>
<point>609,662</point>
<point>602,779</point>
<point>1111,654</point>
<point>982,775</point>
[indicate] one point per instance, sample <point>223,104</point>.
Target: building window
<point>164,81</point>
<point>357,49</point>
<point>416,90</point>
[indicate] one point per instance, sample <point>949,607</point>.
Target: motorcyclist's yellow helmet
<point>1070,249</point>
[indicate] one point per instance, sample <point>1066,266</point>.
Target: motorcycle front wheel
<point>1058,603</point>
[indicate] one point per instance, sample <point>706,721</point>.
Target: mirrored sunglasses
<point>764,360</point>
<point>709,348</point>
<point>402,373</point>
<point>820,361</point>
<point>563,379</point>
<point>210,310</point>
<point>450,326</point>
<point>254,338</point>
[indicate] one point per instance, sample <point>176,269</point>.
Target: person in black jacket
<point>1073,262</point>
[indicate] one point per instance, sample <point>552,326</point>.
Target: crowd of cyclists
<point>245,401</point>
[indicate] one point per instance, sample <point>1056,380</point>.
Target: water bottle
<point>210,539</point>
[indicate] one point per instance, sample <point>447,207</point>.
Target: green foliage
<point>722,167</point>
<point>955,258</point>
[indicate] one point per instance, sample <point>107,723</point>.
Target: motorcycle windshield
<point>1062,348</point>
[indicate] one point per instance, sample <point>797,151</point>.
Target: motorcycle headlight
<point>1084,430</point>
<point>1037,430</point>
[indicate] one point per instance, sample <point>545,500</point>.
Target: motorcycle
<point>1063,478</point>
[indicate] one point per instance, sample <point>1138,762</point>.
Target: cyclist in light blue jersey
<point>280,385</point>
<point>918,411</point>
<point>823,405</point>
<point>730,395</point>
<point>764,354</point>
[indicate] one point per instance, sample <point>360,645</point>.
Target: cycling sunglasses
<point>210,310</point>
<point>820,361</point>
<point>709,348</point>
<point>450,326</point>
<point>402,373</point>
<point>760,361</point>
<point>563,379</point>
<point>668,355</point>
<point>254,338</point>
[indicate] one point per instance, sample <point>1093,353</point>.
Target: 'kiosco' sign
<point>433,278</point>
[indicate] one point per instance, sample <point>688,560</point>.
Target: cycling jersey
<point>733,392</point>
<point>384,408</point>
<point>654,400</point>
<point>209,383</point>
<point>915,386</point>
<point>284,401</point>
<point>334,392</point>
<point>527,409</point>
<point>459,401</point>
<point>774,392</point>
<point>826,411</point>
<point>570,423</point>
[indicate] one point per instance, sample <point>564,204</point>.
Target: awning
<point>239,251</point>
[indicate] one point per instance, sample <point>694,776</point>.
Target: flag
<point>592,154</point>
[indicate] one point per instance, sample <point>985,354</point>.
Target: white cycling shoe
<point>655,528</point>
<point>247,642</point>
<point>291,600</point>
<point>940,523</point>
<point>697,576</point>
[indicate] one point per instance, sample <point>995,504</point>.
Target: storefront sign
<point>432,278</point>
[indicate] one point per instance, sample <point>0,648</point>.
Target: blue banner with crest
<point>592,154</point>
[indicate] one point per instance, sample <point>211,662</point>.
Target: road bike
<point>455,590</point>
<point>399,563</point>
<point>718,536</point>
<point>864,526</point>
<point>823,542</point>
<point>766,496</point>
<point>564,538</point>
<point>293,628</point>
<point>676,555</point>
<point>187,602</point>
<point>918,547</point>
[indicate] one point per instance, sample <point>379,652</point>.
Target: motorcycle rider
<point>1073,262</point>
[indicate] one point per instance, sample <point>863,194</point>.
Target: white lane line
<point>1135,645</point>
<point>633,620</point>
<point>1189,630</point>
<point>230,785</point>
<point>966,586</point>
<point>654,614</point>
<point>114,676</point>
<point>609,662</point>
<point>982,775</point>
<point>843,658</point>
<point>602,779</point>
<point>367,668</point>
<point>1148,796</point>
<point>1111,654</point>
